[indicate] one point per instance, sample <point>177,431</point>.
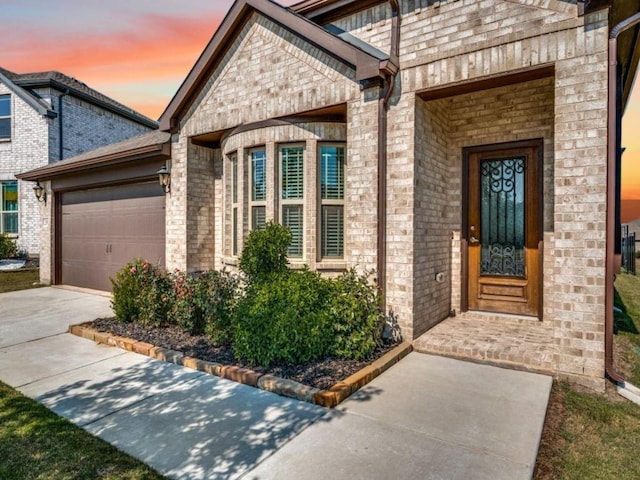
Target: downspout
<point>613,152</point>
<point>60,129</point>
<point>383,105</point>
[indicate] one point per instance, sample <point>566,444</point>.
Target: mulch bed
<point>322,374</point>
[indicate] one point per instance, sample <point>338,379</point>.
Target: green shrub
<point>357,318</point>
<point>205,303</point>
<point>284,319</point>
<point>8,247</point>
<point>142,293</point>
<point>265,252</point>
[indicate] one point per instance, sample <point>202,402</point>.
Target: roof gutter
<point>383,105</point>
<point>613,155</point>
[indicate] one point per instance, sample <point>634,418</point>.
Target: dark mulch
<point>321,374</point>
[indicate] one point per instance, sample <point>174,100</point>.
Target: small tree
<point>265,252</point>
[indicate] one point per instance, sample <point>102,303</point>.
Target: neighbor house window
<point>9,207</point>
<point>331,201</point>
<point>234,204</point>
<point>5,117</point>
<point>258,161</point>
<point>292,196</point>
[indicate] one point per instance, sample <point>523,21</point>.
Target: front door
<point>503,228</point>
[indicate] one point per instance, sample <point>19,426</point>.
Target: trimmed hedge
<point>284,319</point>
<point>282,316</point>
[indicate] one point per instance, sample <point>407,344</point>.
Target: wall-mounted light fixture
<point>40,192</point>
<point>164,177</point>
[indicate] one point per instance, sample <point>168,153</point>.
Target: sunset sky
<point>139,52</point>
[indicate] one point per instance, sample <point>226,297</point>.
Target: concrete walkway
<point>428,417</point>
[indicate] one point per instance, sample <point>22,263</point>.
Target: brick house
<point>459,148</point>
<point>44,118</point>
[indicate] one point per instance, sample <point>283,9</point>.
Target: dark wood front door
<point>503,228</point>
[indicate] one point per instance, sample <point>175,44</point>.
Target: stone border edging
<point>264,381</point>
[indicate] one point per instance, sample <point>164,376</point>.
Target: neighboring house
<point>46,117</point>
<point>457,147</point>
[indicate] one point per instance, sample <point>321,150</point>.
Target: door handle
<point>473,240</point>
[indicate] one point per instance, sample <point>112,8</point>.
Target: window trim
<point>257,203</point>
<point>282,202</point>
<point>3,211</point>
<point>322,202</point>
<point>9,117</point>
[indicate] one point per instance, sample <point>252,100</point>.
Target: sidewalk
<point>427,417</point>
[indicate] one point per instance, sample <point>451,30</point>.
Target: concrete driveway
<point>426,418</point>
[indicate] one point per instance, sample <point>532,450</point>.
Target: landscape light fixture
<point>164,177</point>
<point>40,192</point>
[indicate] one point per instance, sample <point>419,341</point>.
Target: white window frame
<point>7,117</point>
<point>322,202</point>
<point>260,203</point>
<point>285,202</point>
<point>4,212</point>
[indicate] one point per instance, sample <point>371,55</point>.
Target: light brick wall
<point>264,61</point>
<point>176,208</point>
<point>436,212</point>
<point>27,149</point>
<point>463,40</point>
<point>200,208</point>
<point>86,127</point>
<point>441,43</point>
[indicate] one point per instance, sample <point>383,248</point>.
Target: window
<point>234,204</point>
<point>292,186</point>
<point>258,160</point>
<point>331,201</point>
<point>9,207</point>
<point>5,117</point>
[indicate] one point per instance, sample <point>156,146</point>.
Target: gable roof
<point>29,81</point>
<point>38,105</point>
<point>367,62</point>
<point>150,144</point>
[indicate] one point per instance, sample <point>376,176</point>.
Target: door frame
<point>537,143</point>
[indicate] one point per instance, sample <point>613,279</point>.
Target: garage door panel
<point>103,229</point>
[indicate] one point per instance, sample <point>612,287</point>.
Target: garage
<point>103,229</point>
<point>102,209</point>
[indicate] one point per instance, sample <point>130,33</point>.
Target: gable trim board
<point>366,65</point>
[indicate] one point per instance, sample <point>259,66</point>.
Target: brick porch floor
<point>509,341</point>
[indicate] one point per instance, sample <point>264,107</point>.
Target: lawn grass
<point>20,280</point>
<point>597,436</point>
<point>35,443</point>
<point>589,436</point>
<point>627,340</point>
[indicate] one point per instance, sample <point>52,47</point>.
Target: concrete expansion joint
<point>264,381</point>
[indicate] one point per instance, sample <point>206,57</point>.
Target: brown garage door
<point>103,229</point>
